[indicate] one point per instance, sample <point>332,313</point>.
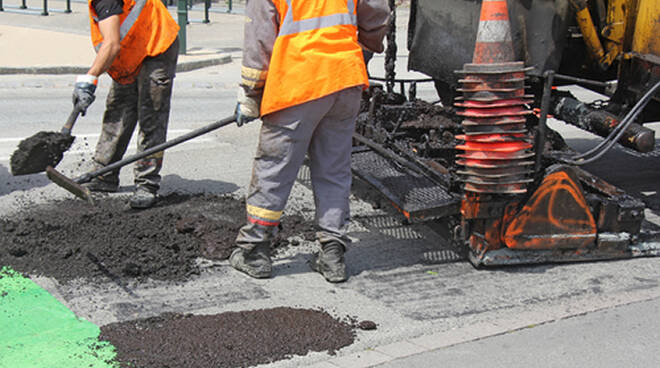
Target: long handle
<point>195,133</point>
<point>66,129</point>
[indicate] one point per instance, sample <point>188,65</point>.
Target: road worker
<point>136,42</point>
<point>303,73</point>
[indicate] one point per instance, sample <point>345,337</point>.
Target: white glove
<point>83,92</point>
<point>247,108</point>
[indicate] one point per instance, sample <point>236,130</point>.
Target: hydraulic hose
<point>599,150</point>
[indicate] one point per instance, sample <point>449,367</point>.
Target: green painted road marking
<point>36,330</point>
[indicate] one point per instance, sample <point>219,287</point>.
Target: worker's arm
<point>259,34</point>
<point>109,49</point>
<point>372,16</point>
<point>83,92</point>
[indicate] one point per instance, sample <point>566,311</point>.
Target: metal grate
<point>414,194</point>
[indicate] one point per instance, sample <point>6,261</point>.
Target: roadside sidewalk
<point>60,43</point>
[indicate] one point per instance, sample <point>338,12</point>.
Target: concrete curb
<point>45,70</point>
<point>180,67</point>
<point>198,64</point>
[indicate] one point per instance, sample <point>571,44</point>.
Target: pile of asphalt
<point>39,151</point>
<point>230,339</point>
<point>71,239</point>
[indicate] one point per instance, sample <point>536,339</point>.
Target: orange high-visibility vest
<point>316,53</point>
<point>147,29</point>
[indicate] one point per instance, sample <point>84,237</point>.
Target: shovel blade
<point>68,184</point>
<point>34,154</point>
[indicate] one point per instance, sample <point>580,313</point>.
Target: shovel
<point>73,185</point>
<point>36,153</point>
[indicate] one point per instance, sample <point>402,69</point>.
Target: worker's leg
<point>330,157</point>
<point>330,164</point>
<point>155,82</point>
<point>119,122</point>
<point>283,142</point>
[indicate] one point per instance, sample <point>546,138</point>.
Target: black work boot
<point>100,185</point>
<point>143,198</point>
<point>330,262</point>
<point>255,262</point>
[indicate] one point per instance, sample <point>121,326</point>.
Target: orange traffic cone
<point>493,44</point>
<point>496,157</point>
<point>496,149</point>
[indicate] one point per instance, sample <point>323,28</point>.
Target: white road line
<point>651,217</point>
<point>172,131</point>
<point>76,148</point>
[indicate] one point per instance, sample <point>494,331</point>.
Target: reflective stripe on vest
<point>128,23</point>
<point>290,26</point>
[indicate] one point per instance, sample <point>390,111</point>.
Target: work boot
<point>100,185</point>
<point>142,198</point>
<point>255,262</point>
<point>330,262</point>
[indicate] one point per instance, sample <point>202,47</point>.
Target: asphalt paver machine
<point>482,159</point>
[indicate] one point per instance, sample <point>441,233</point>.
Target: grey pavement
<point>619,337</point>
<point>432,308</point>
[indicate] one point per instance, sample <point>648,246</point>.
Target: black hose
<point>397,80</point>
<point>616,133</point>
<point>621,127</point>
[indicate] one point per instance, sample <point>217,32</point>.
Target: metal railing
<point>207,6</point>
<point>182,9</point>
<point>183,6</point>
<point>44,10</point>
<point>182,19</point>
<point>190,3</point>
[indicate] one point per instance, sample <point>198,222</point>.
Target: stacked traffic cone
<point>497,150</point>
<point>493,43</point>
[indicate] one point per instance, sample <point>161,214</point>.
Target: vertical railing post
<point>207,5</point>
<point>45,12</point>
<point>23,5</point>
<point>1,8</point>
<point>229,6</point>
<point>182,13</point>
<point>68,6</point>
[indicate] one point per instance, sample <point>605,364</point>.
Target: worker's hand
<point>247,108</point>
<point>244,115</point>
<point>83,92</point>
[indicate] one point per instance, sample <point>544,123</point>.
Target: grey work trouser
<point>146,100</point>
<point>323,130</point>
